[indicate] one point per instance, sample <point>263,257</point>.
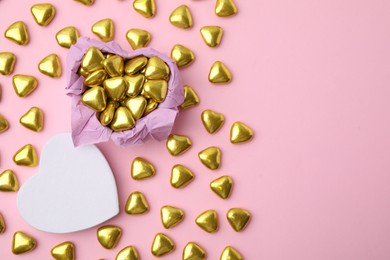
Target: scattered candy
<point>178,144</point>
<point>22,243</point>
<point>208,221</point>
<point>219,74</point>
<point>24,85</point>
<point>190,98</point>
<point>2,224</point>
<point>8,181</point>
<point>138,38</point>
<point>26,156</point>
<point>162,245</point>
<point>17,32</point>
<point>43,13</point>
<point>7,63</point>
<point>181,17</point>
<point>50,66</point>
<point>136,204</point>
<point>193,251</point>
<point>86,2</point>
<point>181,176</point>
<point>142,169</point>
<point>104,29</point>
<point>224,8</point>
<point>3,124</point>
<point>238,218</point>
<point>171,216</point>
<point>212,35</point>
<point>229,253</point>
<point>95,99</point>
<point>210,157</point>
<point>63,251</point>
<point>240,133</point>
<point>108,236</point>
<point>212,121</point>
<point>182,56</point>
<point>128,253</point>
<point>222,186</point>
<point>67,36</point>
<point>33,119</point>
<point>147,8</point>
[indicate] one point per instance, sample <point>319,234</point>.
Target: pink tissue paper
<point>86,128</point>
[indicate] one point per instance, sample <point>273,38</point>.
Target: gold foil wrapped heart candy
<point>162,245</point>
<point>7,63</point>
<point>22,243</point>
<point>17,32</point>
<point>108,236</point>
<point>63,251</point>
<point>43,13</point>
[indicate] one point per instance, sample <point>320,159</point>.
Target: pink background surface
<point>310,77</point>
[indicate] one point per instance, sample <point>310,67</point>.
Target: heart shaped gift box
<point>86,128</point>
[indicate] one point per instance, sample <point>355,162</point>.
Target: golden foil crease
<point>150,107</point>
<point>156,90</point>
<point>26,156</point>
<point>208,221</point>
<point>22,243</point>
<point>136,204</point>
<point>123,120</point>
<point>181,17</point>
<point>7,63</point>
<point>67,36</point>
<point>92,60</point>
<point>219,73</point>
<point>210,157</point>
<point>114,65</point>
<point>24,85</point>
<point>212,35</point>
<point>63,251</point>
<point>142,169</point>
<point>147,8</point>
<point>86,2</point>
<point>240,133</point>
<point>17,32</point>
<point>8,181</point>
<point>115,88</point>
<point>171,216</point>
<point>181,176</point>
<point>229,253</point>
<point>2,224</point>
<point>33,119</point>
<point>222,186</point>
<point>190,98</point>
<point>225,8</point>
<point>95,78</point>
<point>128,253</point>
<point>50,66</point>
<point>212,120</point>
<point>108,236</point>
<point>238,218</point>
<point>3,124</point>
<point>95,99</point>
<point>107,115</point>
<point>135,65</point>
<point>135,84</point>
<point>178,144</point>
<point>138,38</point>
<point>156,69</point>
<point>43,13</point>
<point>193,251</point>
<point>162,245</point>
<point>182,56</point>
<point>104,29</point>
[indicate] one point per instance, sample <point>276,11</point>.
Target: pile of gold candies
<point>122,91</point>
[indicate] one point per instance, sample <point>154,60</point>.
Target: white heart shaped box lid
<point>73,190</point>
